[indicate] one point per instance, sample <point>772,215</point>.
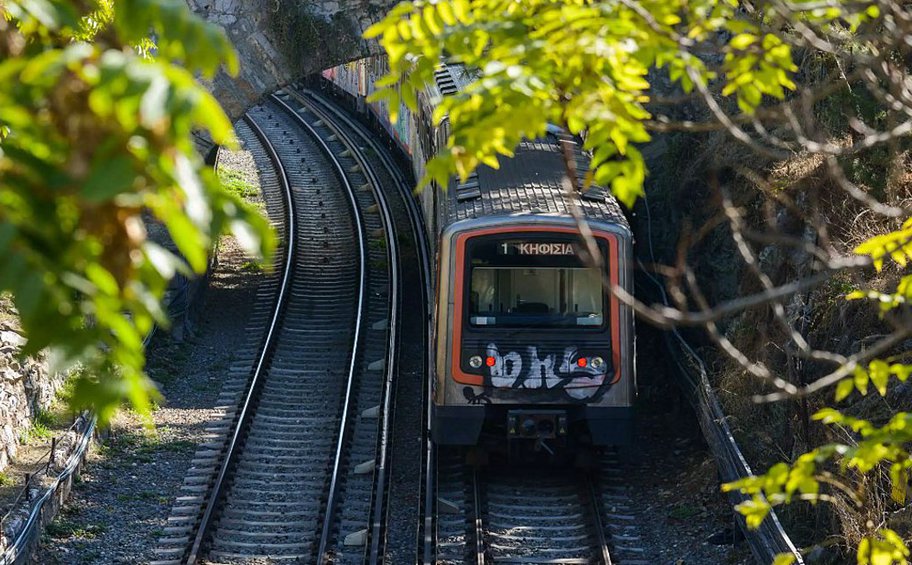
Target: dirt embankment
<point>788,209</point>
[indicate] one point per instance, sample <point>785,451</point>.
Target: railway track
<point>548,515</point>
<point>295,475</point>
<point>407,463</point>
<point>355,515</point>
<point>506,515</point>
<point>299,466</point>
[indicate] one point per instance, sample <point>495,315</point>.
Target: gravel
<point>119,507</point>
<point>674,485</point>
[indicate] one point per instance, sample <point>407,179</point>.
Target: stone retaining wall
<point>26,386</point>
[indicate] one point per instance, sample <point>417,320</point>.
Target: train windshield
<point>542,284</point>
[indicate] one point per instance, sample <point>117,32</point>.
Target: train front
<point>531,348</point>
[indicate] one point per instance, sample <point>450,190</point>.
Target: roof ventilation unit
<point>581,160</point>
<point>594,193</point>
<point>445,82</point>
<point>469,189</point>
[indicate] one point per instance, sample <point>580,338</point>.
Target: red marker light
<point>490,361</point>
<point>581,361</point>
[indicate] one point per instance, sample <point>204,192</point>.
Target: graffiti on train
<point>545,372</point>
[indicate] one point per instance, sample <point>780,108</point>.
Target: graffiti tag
<point>545,373</point>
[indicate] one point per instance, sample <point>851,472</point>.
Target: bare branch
<point>844,370</point>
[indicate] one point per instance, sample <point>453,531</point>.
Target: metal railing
<point>770,539</point>
<point>30,505</point>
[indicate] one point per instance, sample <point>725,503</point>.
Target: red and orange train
<point>528,343</point>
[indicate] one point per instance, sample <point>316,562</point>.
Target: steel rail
<point>349,388</point>
<point>378,519</point>
<point>233,450</point>
<point>590,508</point>
<point>602,548</point>
<point>478,525</point>
<point>426,531</point>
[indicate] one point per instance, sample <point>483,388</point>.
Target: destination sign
<point>536,248</point>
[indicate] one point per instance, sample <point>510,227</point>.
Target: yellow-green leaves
<point>896,245</point>
<point>878,373</point>
<point>754,510</point>
<point>580,65</point>
<point>886,547</point>
<point>784,559</point>
<point>876,448</point>
<point>755,66</point>
<point>899,480</point>
<point>777,486</point>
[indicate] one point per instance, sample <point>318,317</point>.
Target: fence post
<point>53,453</point>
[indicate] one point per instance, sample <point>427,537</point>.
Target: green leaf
<point>754,511</point>
<point>109,177</point>
<point>861,378</point>
<point>879,373</point>
<point>784,559</point>
<point>52,14</point>
<point>102,279</point>
<point>844,389</point>
<point>94,130</point>
<point>899,477</point>
<point>742,41</point>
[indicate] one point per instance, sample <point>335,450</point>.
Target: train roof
<point>530,183</point>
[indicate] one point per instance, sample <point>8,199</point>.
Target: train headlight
<point>475,361</point>
<point>597,362</point>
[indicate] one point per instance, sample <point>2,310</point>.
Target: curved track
<point>395,535</point>
<point>356,503</point>
<point>271,507</point>
<point>303,440</point>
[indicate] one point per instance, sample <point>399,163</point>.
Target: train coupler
<point>536,424</point>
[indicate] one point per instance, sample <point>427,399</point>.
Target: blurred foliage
<point>98,101</point>
<point>578,64</point>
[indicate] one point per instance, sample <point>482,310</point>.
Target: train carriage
<point>528,344</point>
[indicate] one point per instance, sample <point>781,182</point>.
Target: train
<point>528,346</point>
